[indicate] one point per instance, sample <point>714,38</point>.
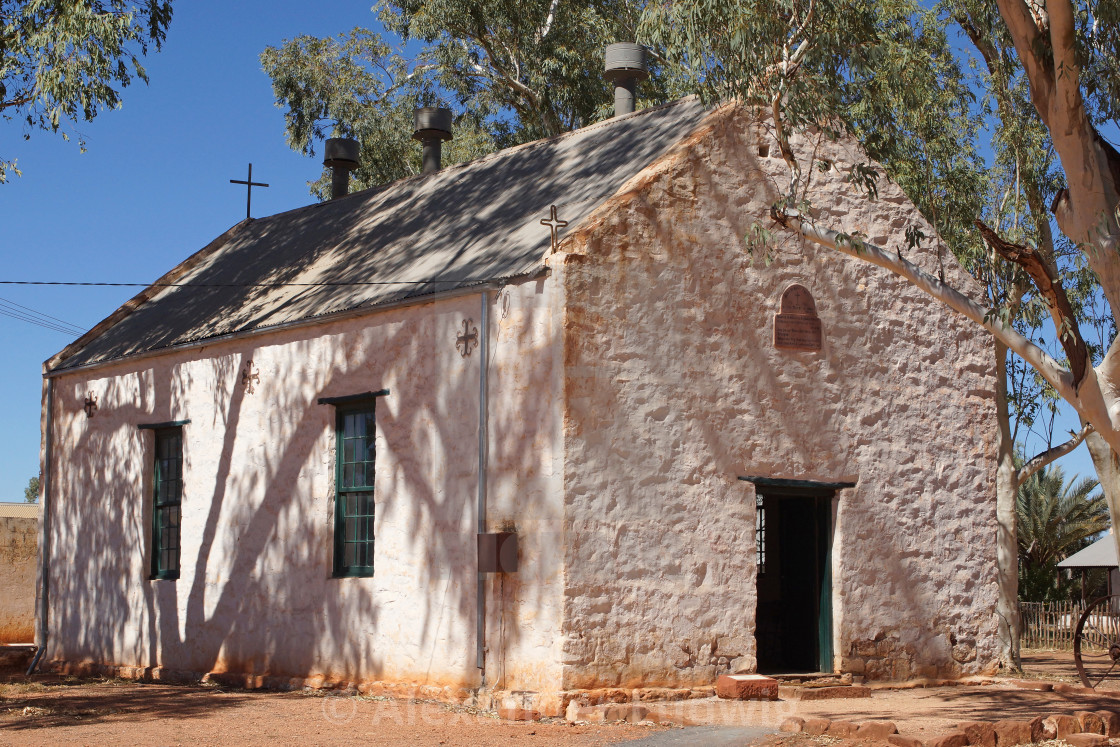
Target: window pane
<point>167,496</point>
<point>354,505</point>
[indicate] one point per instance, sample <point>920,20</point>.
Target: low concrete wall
<point>18,550</point>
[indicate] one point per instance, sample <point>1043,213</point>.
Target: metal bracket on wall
<point>250,377</point>
<point>497,552</point>
<point>467,340</point>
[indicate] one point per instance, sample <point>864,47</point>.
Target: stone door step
<point>824,693</point>
<point>814,679</point>
<point>747,687</point>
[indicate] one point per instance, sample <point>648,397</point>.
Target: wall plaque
<point>796,325</point>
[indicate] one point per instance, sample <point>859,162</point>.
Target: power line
<point>63,322</point>
<point>47,325</point>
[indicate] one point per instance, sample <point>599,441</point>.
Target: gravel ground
<point>925,711</point>
<point>55,710</point>
<point>51,710</point>
<point>918,712</point>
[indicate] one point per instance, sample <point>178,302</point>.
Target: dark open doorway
<point>793,622</point>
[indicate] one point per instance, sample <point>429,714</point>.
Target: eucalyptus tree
<point>68,59</point>
<point>356,85</point>
<point>514,71</point>
<point>888,72</point>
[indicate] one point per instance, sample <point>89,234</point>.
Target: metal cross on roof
<point>249,183</point>
<point>554,224</point>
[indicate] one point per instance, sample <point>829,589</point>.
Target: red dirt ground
<point>48,709</point>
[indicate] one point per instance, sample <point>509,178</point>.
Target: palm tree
<point>1055,520</point>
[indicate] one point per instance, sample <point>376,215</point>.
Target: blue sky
<point>153,188</point>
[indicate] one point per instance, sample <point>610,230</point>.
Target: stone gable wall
<point>673,389</point>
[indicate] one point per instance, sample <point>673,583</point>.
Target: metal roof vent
<point>341,154</point>
<point>625,66</point>
<point>433,126</point>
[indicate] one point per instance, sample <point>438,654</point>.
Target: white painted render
<point>256,592</point>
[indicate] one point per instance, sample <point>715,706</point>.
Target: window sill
<point>353,573</point>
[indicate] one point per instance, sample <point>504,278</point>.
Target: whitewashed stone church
<point>410,438</point>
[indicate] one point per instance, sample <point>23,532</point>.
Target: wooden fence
<point>1049,624</point>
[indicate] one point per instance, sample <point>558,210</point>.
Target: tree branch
<point>1029,42</point>
<point>787,68</point>
<point>1047,367</point>
<point>1046,457</point>
<point>548,21</point>
<point>1049,285</point>
<point>784,146</point>
<point>18,101</point>
<point>1066,70</point>
<point>981,41</point>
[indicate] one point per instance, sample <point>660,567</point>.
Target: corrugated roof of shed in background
<point>19,510</point>
<point>1100,554</point>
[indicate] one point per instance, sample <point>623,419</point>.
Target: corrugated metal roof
<point>461,226</point>
<point>1100,554</point>
<point>19,510</point>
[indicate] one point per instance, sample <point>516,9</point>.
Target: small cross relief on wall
<point>250,376</point>
<point>90,405</point>
<point>467,340</point>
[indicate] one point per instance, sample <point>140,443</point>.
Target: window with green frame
<point>167,503</point>
<point>353,499</point>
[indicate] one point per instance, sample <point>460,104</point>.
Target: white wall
<point>256,592</point>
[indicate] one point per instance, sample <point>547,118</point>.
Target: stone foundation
<point>886,659</point>
<point>548,705</point>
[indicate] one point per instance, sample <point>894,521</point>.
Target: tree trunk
<point>1107,464</point>
<point>1007,543</point>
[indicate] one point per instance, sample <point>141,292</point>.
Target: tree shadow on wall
<point>256,594</point>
